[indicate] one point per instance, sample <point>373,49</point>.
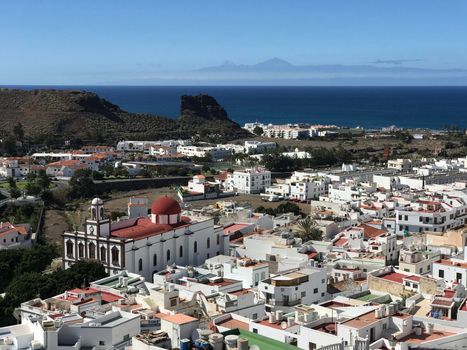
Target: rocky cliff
<point>65,114</point>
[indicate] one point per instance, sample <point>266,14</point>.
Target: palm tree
<point>308,230</point>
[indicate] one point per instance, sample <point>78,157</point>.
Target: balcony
<point>275,302</point>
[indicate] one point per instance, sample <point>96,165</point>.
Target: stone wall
<point>384,286</point>
<point>428,286</point>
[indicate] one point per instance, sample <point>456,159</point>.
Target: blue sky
<point>82,42</point>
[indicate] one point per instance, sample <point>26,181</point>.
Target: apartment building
<point>437,215</point>
<point>249,181</point>
<point>301,286</point>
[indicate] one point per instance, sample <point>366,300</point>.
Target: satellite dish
<point>283,326</point>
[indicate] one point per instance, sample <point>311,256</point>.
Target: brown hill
<point>65,114</point>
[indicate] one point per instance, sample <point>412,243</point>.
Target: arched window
<point>93,214</point>
<point>195,247</point>
<point>115,258</point>
<point>208,243</point>
<point>101,213</point>
<point>80,250</point>
<point>103,254</point>
<point>140,265</point>
<point>180,252</point>
<point>69,248</point>
<point>168,254</point>
<point>154,259</point>
<point>92,251</point>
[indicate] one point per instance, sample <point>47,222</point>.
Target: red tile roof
<point>371,232</point>
<point>143,227</point>
<point>234,228</point>
<point>177,318</point>
<point>394,277</point>
<point>341,242</point>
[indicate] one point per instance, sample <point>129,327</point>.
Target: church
<point>145,244</point>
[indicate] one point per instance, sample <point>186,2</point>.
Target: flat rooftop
<point>417,339</point>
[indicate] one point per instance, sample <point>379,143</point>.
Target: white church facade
<point>146,244</point>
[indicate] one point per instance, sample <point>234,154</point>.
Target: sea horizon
<point>370,107</point>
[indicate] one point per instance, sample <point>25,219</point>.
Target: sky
<point>107,41</point>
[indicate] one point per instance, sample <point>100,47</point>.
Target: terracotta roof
<point>7,228</point>
<point>394,277</point>
<point>165,206</point>
<point>413,278</point>
<point>234,228</point>
<point>371,232</point>
<point>222,176</point>
<point>143,227</point>
<point>177,318</point>
<point>341,242</point>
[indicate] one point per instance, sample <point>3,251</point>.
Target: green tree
<point>81,184</point>
<point>258,130</point>
<point>43,180</point>
<point>18,131</point>
<point>288,207</point>
<point>308,230</point>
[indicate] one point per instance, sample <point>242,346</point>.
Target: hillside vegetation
<point>71,114</point>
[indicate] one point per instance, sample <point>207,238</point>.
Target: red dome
<point>165,206</point>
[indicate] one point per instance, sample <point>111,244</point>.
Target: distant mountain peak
<point>274,62</point>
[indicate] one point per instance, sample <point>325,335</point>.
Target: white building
<point>14,236</point>
<point>431,215</point>
<point>453,270</point>
<point>65,332</point>
<point>249,181</point>
<point>147,244</point>
<point>250,271</point>
<point>303,286</point>
<point>216,153</point>
<point>258,146</point>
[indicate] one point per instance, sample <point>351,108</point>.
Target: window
<point>180,252</point>
<point>80,250</point>
<point>441,273</point>
<point>168,254</point>
<point>420,270</point>
<point>103,254</point>
<point>101,342</point>
<point>322,294</point>
<point>407,284</point>
<point>208,243</point>
<point>92,251</point>
<point>254,316</point>
<point>140,265</point>
<point>218,238</point>
<point>115,258</point>
<point>263,275</point>
<point>195,247</point>
<point>315,291</point>
<point>69,248</point>
<point>458,277</point>
<point>303,294</point>
<point>154,260</point>
<point>255,330</point>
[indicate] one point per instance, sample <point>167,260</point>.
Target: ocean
<point>369,107</point>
